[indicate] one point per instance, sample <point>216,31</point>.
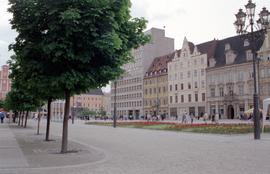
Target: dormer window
<point>249,55</point>
<point>212,62</point>
<point>227,47</point>
<point>246,43</point>
<point>230,57</point>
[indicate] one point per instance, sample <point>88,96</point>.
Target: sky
<point>198,20</point>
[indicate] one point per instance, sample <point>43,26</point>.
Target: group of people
<point>186,118</point>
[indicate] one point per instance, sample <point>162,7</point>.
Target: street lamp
<point>241,28</point>
<point>114,110</point>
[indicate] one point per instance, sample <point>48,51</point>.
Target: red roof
<point>159,65</point>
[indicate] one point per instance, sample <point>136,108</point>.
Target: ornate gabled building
<point>230,77</point>
<point>129,87</point>
<point>156,86</point>
<point>187,78</point>
<point>264,67</point>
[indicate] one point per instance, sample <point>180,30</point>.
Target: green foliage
<point>102,112</point>
<point>75,45</point>
<point>2,103</point>
<point>87,112</point>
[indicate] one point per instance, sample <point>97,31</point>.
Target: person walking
<point>191,118</point>
<point>2,116</point>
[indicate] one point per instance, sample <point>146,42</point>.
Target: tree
<point>2,103</point>
<point>81,44</point>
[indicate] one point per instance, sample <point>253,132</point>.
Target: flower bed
<point>197,127</point>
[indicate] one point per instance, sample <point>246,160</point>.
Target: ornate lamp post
<point>114,110</point>
<point>242,29</point>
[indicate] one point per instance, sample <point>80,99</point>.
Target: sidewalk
<point>11,155</point>
<point>21,148</point>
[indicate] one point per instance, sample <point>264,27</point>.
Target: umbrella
<point>250,111</point>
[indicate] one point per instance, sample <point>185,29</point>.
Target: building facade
<point>156,87</point>
<point>93,100</point>
<point>5,82</point>
<point>264,68</point>
<point>230,78</point>
<point>187,78</point>
<point>129,87</point>
<point>107,104</point>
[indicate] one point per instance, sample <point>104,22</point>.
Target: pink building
<point>5,82</point>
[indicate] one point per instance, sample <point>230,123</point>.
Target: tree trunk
<point>26,117</point>
<point>22,119</point>
<point>64,147</point>
<point>15,116</point>
<point>48,119</point>
<point>38,122</point>
<point>19,122</point>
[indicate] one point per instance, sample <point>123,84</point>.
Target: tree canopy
<point>73,45</point>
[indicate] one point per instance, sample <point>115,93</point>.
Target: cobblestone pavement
<point>136,151</point>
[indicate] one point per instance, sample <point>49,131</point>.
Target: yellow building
<point>156,87</point>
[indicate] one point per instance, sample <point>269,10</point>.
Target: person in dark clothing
<point>2,116</point>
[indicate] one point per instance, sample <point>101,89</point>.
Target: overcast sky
<point>198,20</point>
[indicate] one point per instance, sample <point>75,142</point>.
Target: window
<point>227,47</point>
<point>249,55</point>
<point>176,98</point>
<point>202,61</point>
<point>246,43</point>
<point>230,91</point>
<point>195,62</point>
<point>181,64</point>
<point>164,89</point>
<point>150,91</point>
<point>189,85</point>
<point>176,87</point>
<point>146,91</point>
<point>203,96</point>
<point>171,99</point>
<point>159,89</point>
<point>203,84</point>
<point>212,92</point>
<point>188,75</point>
<point>196,97</point>
<point>181,75</point>
<point>196,84</point>
<point>241,90</point>
<point>170,87</point>
<point>182,86</point>
<point>202,72</point>
<point>189,97</point>
<point>221,92</point>
<point>195,73</point>
<point>182,99</point>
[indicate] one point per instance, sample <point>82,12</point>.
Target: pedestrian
<point>205,117</point>
<point>216,118</point>
<point>2,116</point>
<point>191,118</point>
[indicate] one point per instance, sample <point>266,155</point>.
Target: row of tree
<point>68,47</point>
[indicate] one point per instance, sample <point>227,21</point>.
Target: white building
<point>187,78</point>
<point>130,86</point>
<point>107,104</point>
<point>230,78</point>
